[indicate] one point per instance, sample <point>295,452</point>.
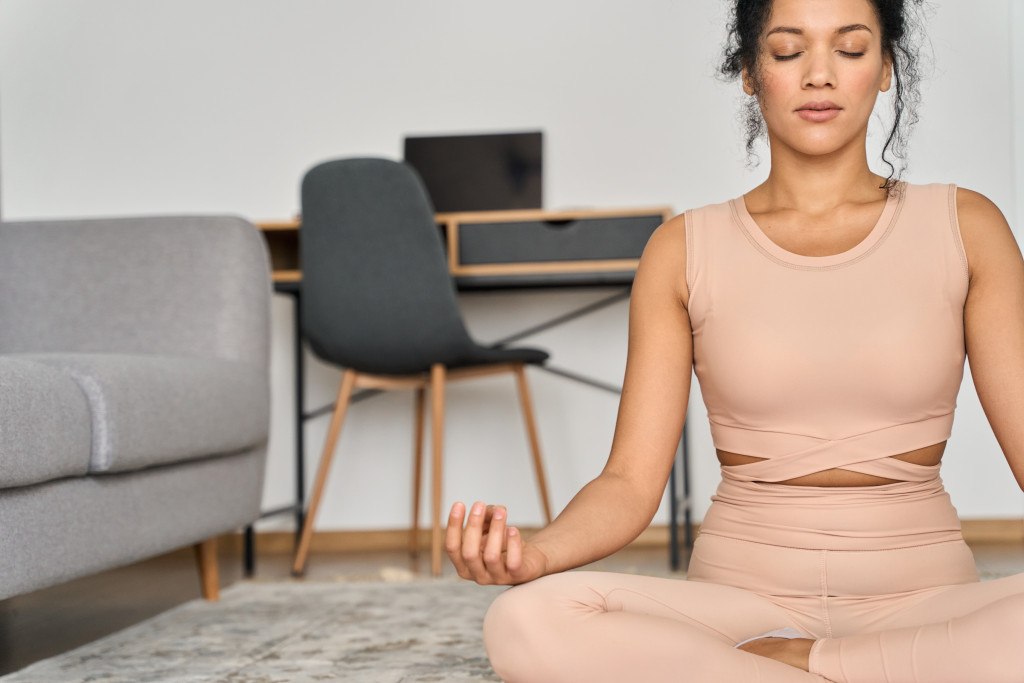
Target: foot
<point>793,651</point>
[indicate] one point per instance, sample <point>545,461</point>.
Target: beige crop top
<point>834,361</point>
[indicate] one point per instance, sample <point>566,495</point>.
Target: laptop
<point>489,172</point>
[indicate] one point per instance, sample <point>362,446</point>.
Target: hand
<point>488,551</point>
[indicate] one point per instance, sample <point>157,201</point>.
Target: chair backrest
<point>377,296</point>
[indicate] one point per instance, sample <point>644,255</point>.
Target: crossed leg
<point>965,633</point>
<point>598,626</point>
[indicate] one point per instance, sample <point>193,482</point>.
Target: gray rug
<point>377,632</point>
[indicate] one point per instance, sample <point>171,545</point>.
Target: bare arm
<point>994,321</point>
<point>615,507</point>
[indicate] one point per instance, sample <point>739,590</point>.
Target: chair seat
<point>469,356</point>
<point>44,424</point>
<point>150,410</point>
<point>485,355</point>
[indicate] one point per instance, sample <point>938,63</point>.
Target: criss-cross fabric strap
<point>787,456</point>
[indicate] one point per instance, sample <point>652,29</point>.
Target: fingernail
<point>499,514</point>
<point>512,531</point>
<point>458,509</point>
<point>478,508</point>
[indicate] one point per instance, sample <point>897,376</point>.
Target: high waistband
<point>898,515</point>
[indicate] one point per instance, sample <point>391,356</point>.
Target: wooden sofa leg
<point>206,559</point>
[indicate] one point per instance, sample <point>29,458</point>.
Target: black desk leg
<point>673,519</point>
<point>688,511</point>
<point>249,554</point>
<point>249,551</point>
<point>681,467</point>
<point>300,421</point>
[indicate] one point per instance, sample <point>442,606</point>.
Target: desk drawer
<point>574,250</point>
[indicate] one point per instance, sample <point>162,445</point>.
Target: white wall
<point>117,107</point>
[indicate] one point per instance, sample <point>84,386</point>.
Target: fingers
<point>478,549</point>
<point>494,547</point>
<point>453,539</point>
<point>472,554</point>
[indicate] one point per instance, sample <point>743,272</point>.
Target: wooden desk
<point>504,249</point>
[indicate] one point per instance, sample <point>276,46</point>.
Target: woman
<point>827,314</point>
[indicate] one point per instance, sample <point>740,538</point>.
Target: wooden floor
<point>51,621</point>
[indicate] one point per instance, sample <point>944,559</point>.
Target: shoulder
<point>663,263</point>
<point>669,237</point>
<point>670,240</point>
<point>668,254</point>
<point>986,235</point>
<point>973,207</point>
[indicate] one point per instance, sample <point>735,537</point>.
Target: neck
<point>819,183</point>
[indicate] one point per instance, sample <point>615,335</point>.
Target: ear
<point>748,82</point>
<point>886,74</point>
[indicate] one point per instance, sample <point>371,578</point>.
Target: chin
<point>816,145</point>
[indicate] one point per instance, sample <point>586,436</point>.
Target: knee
<point>520,631</point>
<point>509,626</point>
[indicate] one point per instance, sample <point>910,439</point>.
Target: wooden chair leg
<point>531,431</point>
<point>417,472</point>
<point>437,379</point>
<point>348,382</point>
<point>209,578</point>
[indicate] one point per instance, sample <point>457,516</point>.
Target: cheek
<point>865,83</point>
<point>770,90</point>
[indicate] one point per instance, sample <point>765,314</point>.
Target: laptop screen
<point>479,172</point>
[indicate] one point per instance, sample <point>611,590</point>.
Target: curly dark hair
<point>900,26</point>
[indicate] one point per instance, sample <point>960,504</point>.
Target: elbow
<point>639,501</point>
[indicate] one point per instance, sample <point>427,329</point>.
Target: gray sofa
<point>134,392</point>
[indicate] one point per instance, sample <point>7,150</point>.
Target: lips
<point>819,112</point>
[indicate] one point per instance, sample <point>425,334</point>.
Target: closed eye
<point>851,54</point>
<point>784,58</point>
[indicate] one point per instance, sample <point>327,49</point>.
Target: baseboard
<point>390,539</point>
<point>975,531</point>
<point>993,530</point>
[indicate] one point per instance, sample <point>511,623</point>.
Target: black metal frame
<point>680,466</point>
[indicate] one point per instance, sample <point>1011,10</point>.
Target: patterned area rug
<point>395,630</point>
<point>373,632</point>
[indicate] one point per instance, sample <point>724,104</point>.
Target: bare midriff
<point>929,455</point>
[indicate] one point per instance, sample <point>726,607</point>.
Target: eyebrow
<point>800,32</point>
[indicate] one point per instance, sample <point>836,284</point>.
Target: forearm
<point>602,518</point>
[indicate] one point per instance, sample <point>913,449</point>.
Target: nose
<point>820,72</point>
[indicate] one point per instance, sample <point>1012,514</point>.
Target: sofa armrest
<point>183,285</point>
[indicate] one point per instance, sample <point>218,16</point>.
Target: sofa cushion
<point>152,410</point>
<point>45,428</point>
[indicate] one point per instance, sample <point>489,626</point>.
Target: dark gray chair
<point>378,300</point>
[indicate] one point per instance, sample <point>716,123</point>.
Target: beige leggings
<point>910,610</point>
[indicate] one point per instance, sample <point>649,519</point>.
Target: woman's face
<point>821,69</point>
